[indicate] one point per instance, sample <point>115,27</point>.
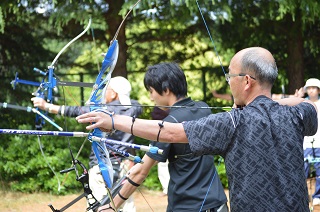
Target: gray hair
<point>261,65</point>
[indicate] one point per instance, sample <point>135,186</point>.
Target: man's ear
<point>114,95</point>
<point>248,83</point>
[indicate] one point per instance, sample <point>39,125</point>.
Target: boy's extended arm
<point>136,175</point>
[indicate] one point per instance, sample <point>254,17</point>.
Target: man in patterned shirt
<point>261,141</point>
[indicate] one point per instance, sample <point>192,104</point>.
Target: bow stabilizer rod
<point>153,150</point>
<point>30,109</point>
<point>38,132</point>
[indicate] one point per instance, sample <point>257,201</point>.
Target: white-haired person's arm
<point>43,105</point>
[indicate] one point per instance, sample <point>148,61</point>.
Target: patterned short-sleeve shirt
<point>262,148</point>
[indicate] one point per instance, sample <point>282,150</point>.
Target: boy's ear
<point>166,92</point>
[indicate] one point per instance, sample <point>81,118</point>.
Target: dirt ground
<point>145,201</point>
<point>18,202</point>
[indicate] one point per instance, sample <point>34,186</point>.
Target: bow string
<point>217,54</point>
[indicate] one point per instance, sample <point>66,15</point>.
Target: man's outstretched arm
<point>155,130</point>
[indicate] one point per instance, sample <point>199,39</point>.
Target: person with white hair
<point>311,144</point>
<point>116,98</point>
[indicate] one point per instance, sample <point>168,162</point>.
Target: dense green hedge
<point>24,166</point>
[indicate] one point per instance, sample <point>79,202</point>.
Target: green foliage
<point>156,31</point>
<point>26,161</point>
<point>152,181</point>
<point>2,24</point>
<point>283,27</point>
<point>222,174</point>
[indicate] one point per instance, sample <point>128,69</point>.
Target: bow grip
<point>52,83</point>
<point>102,166</point>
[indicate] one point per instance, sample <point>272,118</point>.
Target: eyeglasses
<point>228,76</point>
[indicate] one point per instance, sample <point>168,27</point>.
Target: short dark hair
<point>165,76</point>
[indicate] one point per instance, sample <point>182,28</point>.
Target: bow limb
<point>73,40</point>
<point>51,80</point>
<point>47,87</point>
<point>97,97</point>
<point>104,164</point>
<point>109,62</point>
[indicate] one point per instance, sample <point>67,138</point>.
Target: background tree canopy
<point>32,33</point>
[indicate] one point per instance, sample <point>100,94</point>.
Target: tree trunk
<point>295,64</point>
<point>113,20</point>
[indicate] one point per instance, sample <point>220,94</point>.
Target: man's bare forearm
<point>155,130</point>
<point>149,129</point>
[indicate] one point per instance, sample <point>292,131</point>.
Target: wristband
<point>50,108</point>
<point>62,110</point>
<point>132,183</point>
<point>47,106</point>
<point>160,127</point>
<point>122,197</point>
<point>133,120</point>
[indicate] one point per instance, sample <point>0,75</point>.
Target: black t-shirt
<point>190,176</point>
